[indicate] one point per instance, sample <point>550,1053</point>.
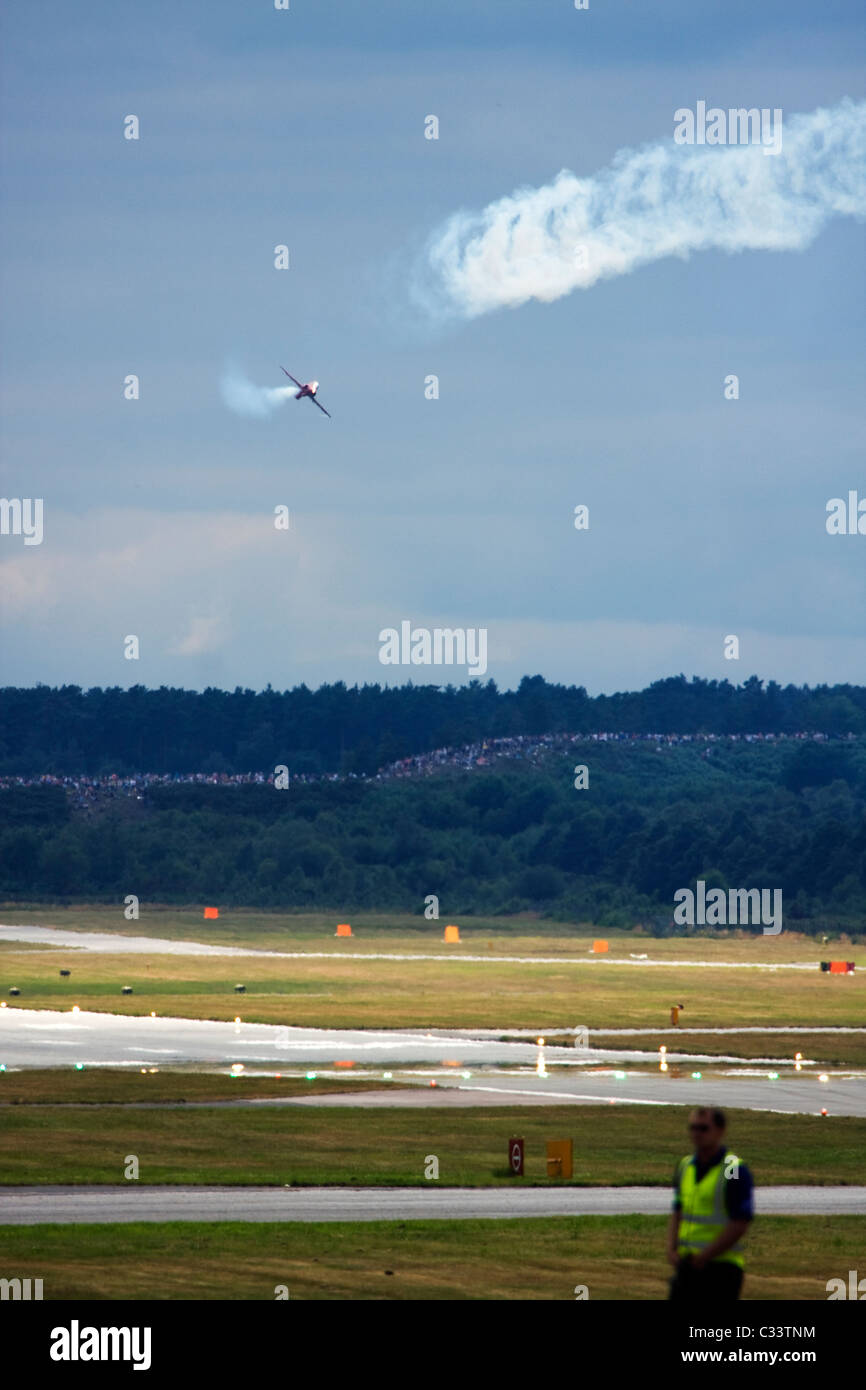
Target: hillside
<point>491,836</point>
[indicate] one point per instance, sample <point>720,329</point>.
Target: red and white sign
<point>515,1156</point>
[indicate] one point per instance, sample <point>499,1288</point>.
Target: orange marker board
<point>560,1158</point>
<point>211,912</point>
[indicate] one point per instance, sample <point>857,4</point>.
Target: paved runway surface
<point>844,1097</point>
<point>44,1037</point>
<point>27,1206</point>
<point>36,1037</point>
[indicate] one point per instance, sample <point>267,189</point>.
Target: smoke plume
<point>665,199</point>
<point>244,398</point>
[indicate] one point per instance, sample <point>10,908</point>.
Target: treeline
<point>488,841</point>
<point>360,729</point>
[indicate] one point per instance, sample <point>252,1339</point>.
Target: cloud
<point>203,635</point>
<point>665,199</point>
<point>110,561</point>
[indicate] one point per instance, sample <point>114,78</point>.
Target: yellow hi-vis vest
<point>702,1211</point>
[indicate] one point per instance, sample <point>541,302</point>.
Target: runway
<point>45,1037</point>
<point>28,1206</point>
<point>484,1071</point>
<point>794,1097</point>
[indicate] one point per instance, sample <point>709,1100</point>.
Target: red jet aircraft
<point>308,389</point>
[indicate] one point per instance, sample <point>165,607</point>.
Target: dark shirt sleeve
<point>739,1196</point>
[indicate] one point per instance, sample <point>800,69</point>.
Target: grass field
<point>613,1257</point>
<point>346,989</point>
<point>275,1146</point>
<point>45,1138</point>
<point>124,1086</point>
<point>279,931</point>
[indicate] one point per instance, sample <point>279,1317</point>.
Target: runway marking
<point>567,1095</point>
<point>168,1051</point>
<point>79,1027</point>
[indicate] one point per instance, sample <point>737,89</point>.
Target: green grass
<point>344,990</point>
<point>113,1086</point>
<point>535,1258</point>
<point>314,930</point>
<point>321,1145</point>
<point>249,927</point>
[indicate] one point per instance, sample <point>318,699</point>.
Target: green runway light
<point>773,1075</point>
<point>696,1076</point>
<point>311,1076</point>
<point>387,1076</point>
<point>2,1066</point>
<point>79,1066</point>
<point>620,1075</point>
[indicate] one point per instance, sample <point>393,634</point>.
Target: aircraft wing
<point>321,407</point>
<point>299,384</point>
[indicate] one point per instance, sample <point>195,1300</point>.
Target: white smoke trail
<point>241,396</point>
<point>662,200</point>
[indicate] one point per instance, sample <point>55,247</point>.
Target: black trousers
<point>718,1282</point>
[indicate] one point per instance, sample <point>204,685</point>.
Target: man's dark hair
<point>718,1116</point>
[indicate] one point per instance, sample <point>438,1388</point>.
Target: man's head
<point>707,1131</point>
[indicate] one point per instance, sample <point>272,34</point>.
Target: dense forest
<point>340,728</point>
<point>653,819</point>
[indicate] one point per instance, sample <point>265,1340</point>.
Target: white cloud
<point>204,634</point>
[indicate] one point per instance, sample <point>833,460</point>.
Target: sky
<point>305,127</point>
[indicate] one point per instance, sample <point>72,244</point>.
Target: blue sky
<point>306,127</point>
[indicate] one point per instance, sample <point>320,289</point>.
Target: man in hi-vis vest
<point>712,1209</point>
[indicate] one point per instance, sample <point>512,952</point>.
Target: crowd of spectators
<point>90,791</point>
<point>87,791</point>
<point>534,747</point>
